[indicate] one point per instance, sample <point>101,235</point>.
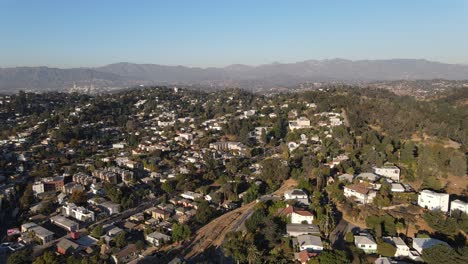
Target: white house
<point>310,242</point>
<point>191,195</point>
<point>402,250</point>
<point>366,243</point>
<point>434,201</point>
<point>38,187</point>
<point>397,187</point>
<point>298,215</point>
<point>388,171</point>
<point>298,195</point>
<point>419,244</point>
<point>361,192</point>
<point>459,205</point>
<point>78,212</point>
<point>185,136</point>
<point>300,123</point>
<point>157,238</point>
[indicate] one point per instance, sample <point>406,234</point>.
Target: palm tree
<point>253,255</point>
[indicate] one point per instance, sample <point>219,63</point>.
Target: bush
<point>349,237</point>
<point>385,249</point>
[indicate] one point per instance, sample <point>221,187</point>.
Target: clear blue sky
<point>72,33</point>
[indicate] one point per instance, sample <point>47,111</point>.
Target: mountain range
<point>276,74</point>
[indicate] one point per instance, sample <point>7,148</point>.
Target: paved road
<point>338,234</point>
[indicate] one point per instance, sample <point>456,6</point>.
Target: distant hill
<point>124,74</point>
<point>44,78</point>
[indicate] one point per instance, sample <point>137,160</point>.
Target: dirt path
<point>213,233</point>
<point>344,114</point>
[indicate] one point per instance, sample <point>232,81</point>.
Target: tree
<point>255,221</point>
<point>204,213</point>
<point>180,232</point>
<point>97,232</point>
<point>440,254</point>
<point>332,257</point>
<point>253,255</point>
<point>47,258</point>
<point>20,257</point>
<point>438,221</point>
<point>121,240</point>
<point>27,197</point>
<point>236,246</point>
<point>78,197</point>
<point>458,165</point>
<point>385,249</point>
<point>349,237</point>
<point>168,187</point>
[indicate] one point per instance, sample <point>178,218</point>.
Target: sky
<point>204,33</point>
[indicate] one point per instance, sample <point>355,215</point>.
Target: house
<point>402,250</point>
<point>434,201</point>
<point>160,214</point>
<point>298,215</point>
<point>295,230</point>
<point>366,243</point>
<point>61,197</point>
<point>298,195</point>
<point>419,244</point>
<point>368,176</point>
<point>39,232</point>
<point>65,246</point>
<point>300,123</point>
<point>388,171</point>
<point>361,192</point>
<point>110,207</point>
<point>126,255</point>
<point>72,187</point>
<point>137,217</point>
<point>48,184</point>
<point>304,256</point>
<point>65,223</point>
<point>157,238</point>
<point>310,243</point>
<point>346,177</point>
<point>192,195</point>
<point>228,145</point>
<point>459,205</point>
<point>397,187</point>
<point>78,212</point>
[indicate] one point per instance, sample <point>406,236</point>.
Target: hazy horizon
<point>66,34</point>
<point>224,66</point>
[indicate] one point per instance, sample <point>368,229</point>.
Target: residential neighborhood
<point>166,175</point>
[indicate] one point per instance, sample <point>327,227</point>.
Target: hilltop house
<point>361,192</point>
<point>366,243</point>
<point>434,201</point>
<point>388,171</point>
<point>300,123</point>
<point>402,250</point>
<point>298,215</point>
<point>419,244</point>
<point>298,195</point>
<point>310,243</point>
<point>459,205</point>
